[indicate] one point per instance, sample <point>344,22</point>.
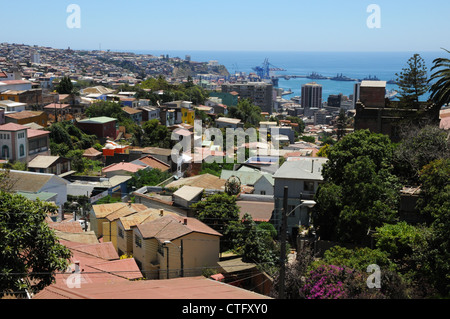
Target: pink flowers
<point>334,282</point>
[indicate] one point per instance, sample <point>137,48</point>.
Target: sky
<point>234,25</point>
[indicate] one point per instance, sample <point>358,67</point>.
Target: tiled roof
<point>178,288</point>
<point>206,181</point>
<point>12,127</point>
<point>31,133</point>
<point>129,167</point>
<point>153,163</point>
<point>174,226</point>
<point>104,210</point>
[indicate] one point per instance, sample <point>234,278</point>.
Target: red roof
<point>12,127</point>
<point>154,163</point>
<point>35,133</point>
<point>178,288</point>
<point>133,168</point>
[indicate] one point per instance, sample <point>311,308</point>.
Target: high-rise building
<point>311,95</point>
<point>35,57</point>
<point>260,93</point>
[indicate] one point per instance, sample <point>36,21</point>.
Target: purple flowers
<point>334,282</point>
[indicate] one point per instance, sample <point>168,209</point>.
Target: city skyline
<point>229,26</point>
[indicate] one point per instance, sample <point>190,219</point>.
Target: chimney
<point>129,203</point>
<point>161,212</point>
<point>185,221</point>
<point>77,266</point>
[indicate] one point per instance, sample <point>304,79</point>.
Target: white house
<point>302,177</point>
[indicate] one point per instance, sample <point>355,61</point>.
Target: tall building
<point>260,93</point>
<point>311,95</point>
<point>35,57</point>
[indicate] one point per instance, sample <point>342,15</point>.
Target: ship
<point>316,76</point>
<point>370,78</point>
<point>340,77</point>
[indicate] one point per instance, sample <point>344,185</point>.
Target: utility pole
<point>281,292</point>
<point>181,258</point>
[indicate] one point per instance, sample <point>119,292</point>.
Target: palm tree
<point>440,90</point>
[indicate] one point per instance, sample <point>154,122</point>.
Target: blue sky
<point>238,25</point>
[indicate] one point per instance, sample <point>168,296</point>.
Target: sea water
<point>355,65</point>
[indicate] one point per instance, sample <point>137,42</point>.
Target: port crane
<point>264,70</point>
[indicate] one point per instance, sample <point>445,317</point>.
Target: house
<point>205,181</point>
<point>12,106</point>
<point>149,113</point>
<point>152,162</point>
<point>187,195</point>
<point>49,164</point>
<point>57,109</point>
<point>175,246</point>
<point>93,154</point>
<point>227,122</point>
<point>134,114</point>
<point>103,127</point>
<point>38,143</point>
<point>98,187</point>
<point>14,142</point>
<point>104,217</point>
<point>122,169</point>
<point>27,117</point>
<point>302,177</point>
<point>187,116</point>
<point>37,183</point>
<point>261,182</point>
<point>125,226</point>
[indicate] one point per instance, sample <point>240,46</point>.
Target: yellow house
<point>125,228</point>
<point>175,246</point>
<point>104,218</point>
<point>187,116</point>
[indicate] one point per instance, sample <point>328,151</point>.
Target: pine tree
<point>412,81</point>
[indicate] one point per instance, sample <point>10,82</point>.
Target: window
<point>5,152</point>
<point>308,186</point>
<point>138,241</point>
<point>21,150</point>
<point>120,233</point>
<point>263,192</point>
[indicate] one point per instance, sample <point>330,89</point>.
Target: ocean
<point>355,65</point>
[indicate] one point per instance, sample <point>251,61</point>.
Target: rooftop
<point>304,168</point>
<point>173,226</point>
<point>98,120</point>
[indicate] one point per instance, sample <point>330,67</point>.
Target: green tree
<point>30,253</point>
<point>245,110</point>
<point>434,202</point>
<point>359,192</point>
<point>412,81</point>
<point>65,86</point>
<point>151,177</point>
<point>440,79</point>
<point>156,134</point>
<point>218,211</point>
<point>419,147</point>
